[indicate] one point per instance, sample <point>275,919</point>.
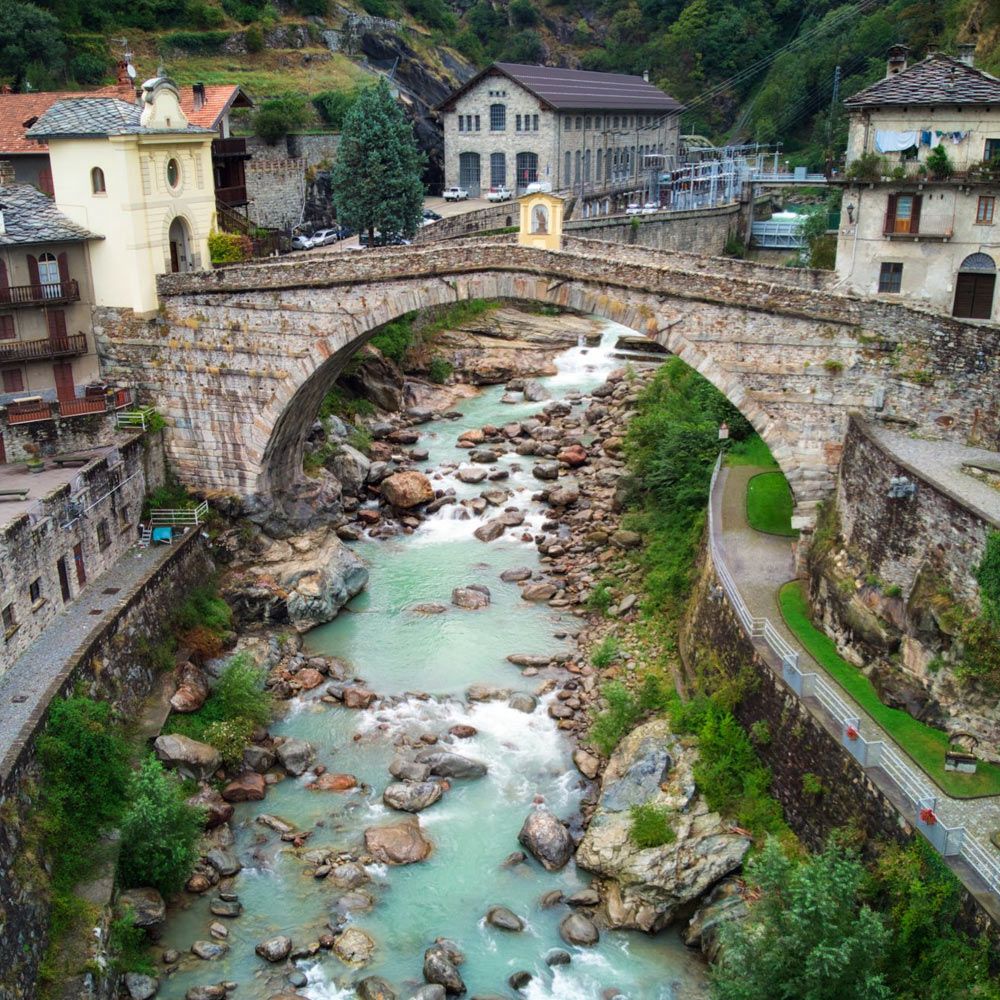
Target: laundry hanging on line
<point>887,141</point>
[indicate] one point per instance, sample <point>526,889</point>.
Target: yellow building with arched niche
<point>541,221</point>
<point>138,175</point>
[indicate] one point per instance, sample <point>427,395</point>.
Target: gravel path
<point>760,564</point>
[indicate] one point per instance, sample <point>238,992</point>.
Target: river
<point>422,666</point>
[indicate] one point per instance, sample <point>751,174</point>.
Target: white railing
<point>951,841</point>
<point>134,418</point>
<point>179,515</point>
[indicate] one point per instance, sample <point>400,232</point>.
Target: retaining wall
<point>278,178</point>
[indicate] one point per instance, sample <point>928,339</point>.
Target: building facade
<point>581,132</point>
<point>911,227</point>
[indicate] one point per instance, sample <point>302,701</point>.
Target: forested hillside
<point>748,69</point>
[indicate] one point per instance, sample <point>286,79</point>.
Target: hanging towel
<point>957,137</point>
<point>925,138</point>
<point>894,142</point>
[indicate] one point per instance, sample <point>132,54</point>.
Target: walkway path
<point>26,685</point>
<point>760,564</point>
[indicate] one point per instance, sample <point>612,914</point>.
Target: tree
<point>279,116</point>
<point>808,937</point>
<point>376,176</point>
<point>28,36</point>
<point>988,578</point>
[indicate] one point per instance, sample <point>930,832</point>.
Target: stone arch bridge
<point>238,359</point>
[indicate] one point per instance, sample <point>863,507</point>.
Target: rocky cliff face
<point>646,888</point>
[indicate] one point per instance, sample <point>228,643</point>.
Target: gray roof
<point>82,117</point>
<point>938,79</point>
<point>32,217</point>
<point>577,89</point>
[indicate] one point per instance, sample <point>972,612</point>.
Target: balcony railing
<point>233,197</point>
<point>35,295</point>
<point>229,149</point>
<point>33,409</point>
<point>48,347</point>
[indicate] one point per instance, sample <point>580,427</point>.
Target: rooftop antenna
<point>127,57</point>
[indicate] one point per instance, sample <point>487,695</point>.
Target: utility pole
<point>829,122</point>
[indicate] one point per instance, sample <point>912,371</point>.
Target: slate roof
<point>571,89</point>
<point>84,117</point>
<point>32,217</point>
<point>938,79</point>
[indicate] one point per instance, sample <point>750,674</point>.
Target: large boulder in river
<point>192,689</point>
<point>375,988</point>
<point>412,796</point>
<point>644,888</point>
<point>354,946</point>
<point>351,468</point>
<point>296,756</point>
<point>400,843</point>
<point>547,838</point>
<point>472,598</point>
<point>146,906</point>
<point>439,968</point>
<point>275,949</point>
<point>575,928</point>
<point>193,759</point>
<point>445,764</point>
<point>407,489</point>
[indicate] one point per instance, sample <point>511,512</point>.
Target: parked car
<point>537,186</point>
<point>301,242</point>
<point>430,215</point>
<point>499,194</point>
<point>634,208</point>
<point>383,241</point>
<point>650,207</point>
<point>455,194</point>
<point>324,237</point>
<point>345,233</point>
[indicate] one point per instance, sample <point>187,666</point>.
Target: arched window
<point>568,170</point>
<point>586,166</point>
<point>498,117</point>
<point>468,173</point>
<point>974,287</point>
<point>597,173</point>
<point>498,169</point>
<point>97,181</point>
<point>48,276</point>
<point>978,262</point>
<point>576,167</point>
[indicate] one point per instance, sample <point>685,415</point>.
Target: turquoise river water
<point>474,826</point>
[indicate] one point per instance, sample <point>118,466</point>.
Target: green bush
<point>254,38</point>
<point>229,248</point>
<point>195,41</point>
<point>230,738</point>
<point>394,339</point>
<point>361,440</point>
<point>523,14</point>
<point>203,15</point>
<point>939,163</point>
<point>127,945</point>
<point>605,653</point>
<point>159,831</point>
<point>313,8</point>
<point>204,608</point>
<point>868,167</point>
<point>279,116</point>
<point>524,47</point>
<point>332,105</point>
<point>377,8</point>
<point>439,370</point>
<point>244,11</point>
<point>433,13</point>
<point>88,67</point>
<point>654,696</point>
<point>610,725</point>
<point>599,599</point>
<point>649,825</point>
<point>988,578</point>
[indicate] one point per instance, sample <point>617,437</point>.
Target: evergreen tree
<point>30,40</point>
<point>376,177</point>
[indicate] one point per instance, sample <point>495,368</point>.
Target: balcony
<point>95,399</point>
<point>232,197</point>
<point>40,295</point>
<point>42,350</point>
<point>230,149</point>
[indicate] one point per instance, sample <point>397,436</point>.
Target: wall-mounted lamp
<point>723,431</point>
<point>901,488</point>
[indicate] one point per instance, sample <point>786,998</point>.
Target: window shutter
<point>4,285</point>
<point>915,215</point>
<point>33,278</point>
<point>63,262</point>
<point>6,327</point>
<point>890,215</point>
<point>57,324</point>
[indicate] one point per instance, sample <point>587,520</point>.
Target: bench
<point>14,494</point>
<point>71,460</point>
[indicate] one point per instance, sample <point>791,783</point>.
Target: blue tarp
<point>163,535</point>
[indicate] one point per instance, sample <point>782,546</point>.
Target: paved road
<point>760,564</point>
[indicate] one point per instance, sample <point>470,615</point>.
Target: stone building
<point>46,343</point>
<point>577,130</point>
<point>907,230</point>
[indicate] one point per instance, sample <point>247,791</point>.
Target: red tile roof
<point>19,111</point>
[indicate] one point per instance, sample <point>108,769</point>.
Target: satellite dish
<point>130,69</point>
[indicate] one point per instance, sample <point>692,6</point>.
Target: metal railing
<point>30,295</point>
<point>139,417</point>
<point>34,409</point>
<point>179,515</point>
<point>45,347</point>
<point>950,841</point>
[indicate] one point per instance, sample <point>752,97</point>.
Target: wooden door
<point>175,262</point>
<point>81,572</point>
<point>974,296</point>
<point>62,371</point>
<point>63,578</point>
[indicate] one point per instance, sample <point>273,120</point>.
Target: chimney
<point>967,53</point>
<point>645,75</point>
<point>6,173</point>
<point>124,80</point>
<point>896,61</point>
<point>199,96</point>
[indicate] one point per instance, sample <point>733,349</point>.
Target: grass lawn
<point>769,504</point>
<point>925,745</point>
<point>752,451</point>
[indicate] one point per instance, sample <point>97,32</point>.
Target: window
<point>586,166</point>
<point>48,276</point>
<point>9,621</point>
<point>984,211</point>
<point>461,123</point>
<point>527,168</point>
<point>597,172</point>
<point>568,169</point>
<point>615,121</point>
<point>173,173</point>
<point>902,215</point>
<point>498,169</point>
<point>7,328</point>
<point>97,181</point>
<point>124,521</point>
<point>579,123</point>
<point>517,123</point>
<point>890,278</point>
<point>567,123</point>
<point>587,122</point>
<point>103,535</point>
<point>498,117</point>
<point>477,123</point>
<point>534,122</point>
<point>468,173</point>
<point>992,150</point>
<point>35,590</point>
<point>597,121</point>
<point>13,381</point>
<point>576,167</point>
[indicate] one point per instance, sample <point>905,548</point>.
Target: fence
<point>179,515</point>
<point>950,841</point>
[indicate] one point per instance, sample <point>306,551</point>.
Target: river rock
<point>259,759</point>
<point>400,843</point>
<point>587,764</point>
<point>348,875</point>
<point>573,455</point>
<point>575,928</point>
<point>407,489</point>
<point>486,692</point>
<point>521,701</point>
<point>504,919</point>
<point>471,475</point>
<point>226,907</point>
<point>412,798</point>
<point>375,988</point>
<point>472,598</point>
<point>491,530</point>
<point>538,592</point>
<point>432,991</point>
<point>484,456</point>
<point>428,608</point>
<point>214,992</point>
<point>645,888</point>
<point>547,839</point>
<point>351,468</point>
<point>534,392</point>
<point>565,495</point>
<point>558,957</point>
<point>146,906</point>
<point>248,787</point>
<point>357,697</point>
<point>275,949</point>
<point>626,539</point>
<point>519,980</point>
<point>192,689</point>
<point>224,861</point>
<point>445,764</point>
<point>141,987</point>
<point>354,946</point>
<point>329,782</point>
<point>296,756</point>
<point>191,758</point>
<point>408,770</point>
<point>516,575</point>
<point>545,470</point>
<point>439,969</point>
<point>308,679</point>
<point>462,732</point>
<point>472,436</point>
<point>215,810</point>
<point>724,903</point>
<point>209,951</point>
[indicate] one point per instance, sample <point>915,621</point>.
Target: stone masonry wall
<point>112,665</point>
<point>60,436</point>
<point>277,176</point>
<point>713,643</point>
<point>99,511</point>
